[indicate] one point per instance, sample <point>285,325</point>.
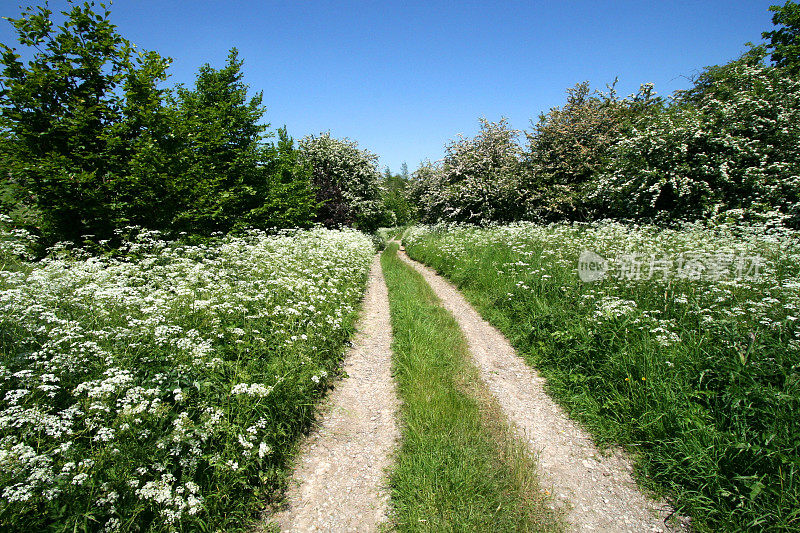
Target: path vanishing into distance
<point>340,480</point>
<point>596,490</point>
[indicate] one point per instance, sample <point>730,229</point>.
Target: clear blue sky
<point>403,78</point>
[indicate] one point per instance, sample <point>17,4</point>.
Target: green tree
<point>222,150</point>
<point>286,198</point>
<point>730,144</point>
<point>69,117</point>
<point>785,40</point>
<point>570,144</point>
<point>483,175</point>
<point>395,196</point>
<point>426,193</point>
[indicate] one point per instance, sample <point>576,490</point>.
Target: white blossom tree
<point>347,181</point>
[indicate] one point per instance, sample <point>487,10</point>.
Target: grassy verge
<point>458,468</point>
<point>699,374</point>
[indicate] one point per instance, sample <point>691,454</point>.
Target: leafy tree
<point>221,151</point>
<point>287,197</point>
<point>67,121</point>
<point>90,141</point>
<point>731,144</point>
<point>395,197</point>
<point>785,40</point>
<point>722,82</point>
<point>347,182</point>
<point>481,176</point>
<point>570,144</point>
<point>426,192</point>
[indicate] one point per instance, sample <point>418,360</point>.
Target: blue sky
<point>403,78</point>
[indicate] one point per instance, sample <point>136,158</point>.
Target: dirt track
<point>597,489</point>
<point>339,481</point>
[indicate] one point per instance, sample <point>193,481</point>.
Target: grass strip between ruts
<point>459,468</point>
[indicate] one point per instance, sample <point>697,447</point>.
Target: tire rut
<point>339,480</point>
<point>596,489</point>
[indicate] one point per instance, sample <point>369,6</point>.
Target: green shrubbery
<point>347,182</point>
<point>478,179</point>
<point>90,142</point>
<point>395,187</point>
<point>731,142</point>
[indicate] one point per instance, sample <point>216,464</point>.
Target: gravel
<point>339,483</point>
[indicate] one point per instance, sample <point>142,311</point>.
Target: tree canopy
<point>92,140</point>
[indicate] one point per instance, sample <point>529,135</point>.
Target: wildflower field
<point>683,345</point>
<point>163,388</point>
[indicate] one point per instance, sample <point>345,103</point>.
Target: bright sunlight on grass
<point>456,469</point>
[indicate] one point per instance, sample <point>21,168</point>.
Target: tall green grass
<point>458,469</point>
<point>699,378</point>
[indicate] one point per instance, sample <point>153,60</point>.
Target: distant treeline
<point>91,141</point>
<point>728,147</point>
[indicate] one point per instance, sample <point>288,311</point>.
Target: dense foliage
<point>70,114</point>
<point>228,177</point>
<point>729,144</point>
<point>477,181</point>
<point>163,391</point>
<point>347,181</point>
<point>687,350</point>
<point>91,141</point>
<point>732,143</point>
<point>396,199</point>
<point>784,41</point>
<point>570,144</point>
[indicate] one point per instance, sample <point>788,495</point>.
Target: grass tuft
<point>459,467</point>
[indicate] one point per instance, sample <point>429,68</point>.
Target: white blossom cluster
<point>736,146</point>
<point>15,243</point>
<point>480,179</point>
<point>544,255</point>
<point>147,390</point>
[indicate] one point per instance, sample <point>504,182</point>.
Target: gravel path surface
<point>597,489</point>
<point>339,480</point>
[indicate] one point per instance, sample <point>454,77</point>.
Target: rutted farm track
<point>597,490</point>
<point>340,483</point>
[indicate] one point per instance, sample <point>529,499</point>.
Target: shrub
<point>347,182</point>
<point>477,181</point>
<point>731,143</point>
<point>570,144</point>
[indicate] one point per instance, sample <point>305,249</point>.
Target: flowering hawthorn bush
<point>163,390</point>
<point>733,143</point>
<point>477,181</point>
<point>347,181</point>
